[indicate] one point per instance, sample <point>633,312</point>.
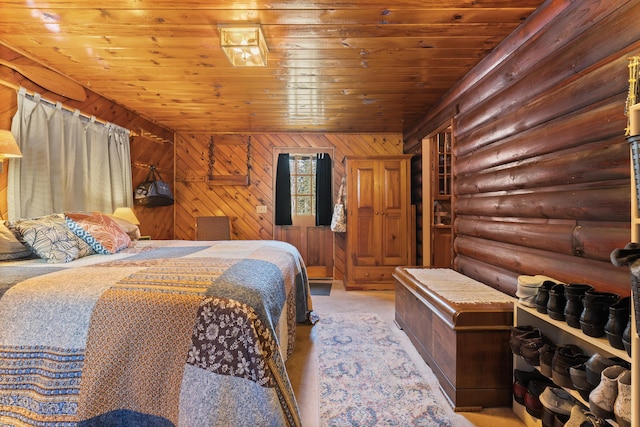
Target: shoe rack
<point>561,334</point>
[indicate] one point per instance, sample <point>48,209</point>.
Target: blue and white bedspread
<point>164,333</point>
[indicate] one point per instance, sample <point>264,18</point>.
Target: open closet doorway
<point>308,227</point>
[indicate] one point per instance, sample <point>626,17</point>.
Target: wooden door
<point>315,244</point>
<point>364,213</point>
<point>393,206</point>
<point>378,209</point>
<point>437,223</point>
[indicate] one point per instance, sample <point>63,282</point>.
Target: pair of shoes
<point>619,314</point>
<point>581,417</point>
<point>603,398</point>
<point>552,419</point>
<point>532,398</point>
<point>521,382</point>
<point>527,289</point>
<point>564,358</point>
<point>578,375</point>
<point>547,351</point>
<point>574,292</point>
<point>622,405</point>
<point>557,302</point>
<point>557,404</point>
<point>595,314</point>
<point>597,363</point>
<point>530,347</point>
<point>516,335</point>
<point>526,341</point>
<point>542,297</point>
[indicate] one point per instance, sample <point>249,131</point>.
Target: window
<point>303,184</point>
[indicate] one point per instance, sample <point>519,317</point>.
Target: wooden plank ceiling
<point>358,66</point>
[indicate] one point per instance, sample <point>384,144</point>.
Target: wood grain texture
<point>541,165</point>
<point>332,67</point>
<point>195,196</point>
<point>465,344</point>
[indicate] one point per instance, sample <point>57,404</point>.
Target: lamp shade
<point>8,145</point>
<point>244,45</point>
<point>127,214</point>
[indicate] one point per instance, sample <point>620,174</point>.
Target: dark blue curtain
<point>283,191</point>
<point>324,196</point>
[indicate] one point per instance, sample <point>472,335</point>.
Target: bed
<point>162,333</point>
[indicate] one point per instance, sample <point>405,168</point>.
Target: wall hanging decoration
<point>339,218</point>
<point>154,191</point>
<point>231,151</point>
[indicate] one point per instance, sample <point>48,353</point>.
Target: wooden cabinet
<point>378,220</point>
<point>442,247</point>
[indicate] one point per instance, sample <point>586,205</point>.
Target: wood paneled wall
<point>154,148</point>
<point>541,164</point>
<point>416,200</point>
<point>196,195</point>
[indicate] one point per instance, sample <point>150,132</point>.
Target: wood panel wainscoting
<point>196,195</point>
<point>465,344</point>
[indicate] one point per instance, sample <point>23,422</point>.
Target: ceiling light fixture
<point>244,45</point>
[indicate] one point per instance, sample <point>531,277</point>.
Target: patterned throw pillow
<point>99,231</point>
<point>49,238</point>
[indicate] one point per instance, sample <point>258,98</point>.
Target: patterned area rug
<point>367,379</point>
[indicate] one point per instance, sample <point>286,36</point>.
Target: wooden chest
<point>466,344</point>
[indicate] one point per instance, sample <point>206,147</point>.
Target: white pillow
<point>130,228</point>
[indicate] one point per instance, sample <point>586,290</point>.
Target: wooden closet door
<point>378,219</point>
<point>393,212</point>
<point>363,213</point>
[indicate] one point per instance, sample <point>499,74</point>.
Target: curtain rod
<point>36,97</point>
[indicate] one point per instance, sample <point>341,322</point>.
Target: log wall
<point>154,222</point>
<point>541,164</point>
<point>197,195</point>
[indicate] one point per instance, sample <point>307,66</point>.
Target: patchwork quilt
<point>163,333</point>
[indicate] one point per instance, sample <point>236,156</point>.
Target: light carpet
<point>367,379</point>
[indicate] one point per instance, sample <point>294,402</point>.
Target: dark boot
<point>573,293</point>
<point>564,358</point>
<point>618,320</point>
<point>557,301</point>
<point>596,312</point>
<point>626,337</point>
<point>542,297</point>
